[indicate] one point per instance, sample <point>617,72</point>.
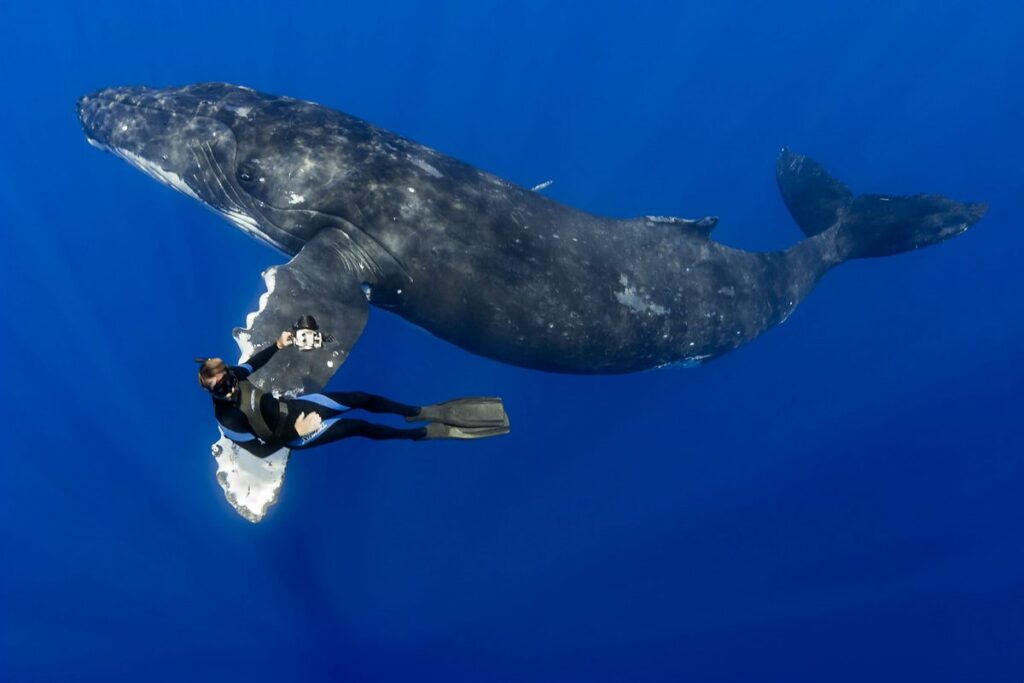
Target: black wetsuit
<point>328,405</point>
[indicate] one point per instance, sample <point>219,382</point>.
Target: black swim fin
<point>477,411</point>
<point>437,430</point>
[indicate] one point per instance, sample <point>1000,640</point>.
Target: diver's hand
<point>307,423</point>
<point>286,339</point>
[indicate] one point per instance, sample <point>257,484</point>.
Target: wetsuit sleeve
<point>255,362</point>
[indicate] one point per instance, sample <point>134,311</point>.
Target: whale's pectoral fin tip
<point>251,484</point>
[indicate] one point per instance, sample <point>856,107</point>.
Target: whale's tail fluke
<point>867,225</point>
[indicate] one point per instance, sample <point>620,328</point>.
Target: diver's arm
<point>255,362</point>
<point>263,356</point>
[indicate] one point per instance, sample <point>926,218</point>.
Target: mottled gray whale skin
<point>495,268</point>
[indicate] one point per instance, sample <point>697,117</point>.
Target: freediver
<point>262,424</point>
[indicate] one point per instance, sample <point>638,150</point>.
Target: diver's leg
<point>321,404</point>
<point>371,403</point>
<point>338,428</point>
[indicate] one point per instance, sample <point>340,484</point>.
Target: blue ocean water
<point>837,501</point>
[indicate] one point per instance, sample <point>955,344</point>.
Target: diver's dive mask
<point>224,386</point>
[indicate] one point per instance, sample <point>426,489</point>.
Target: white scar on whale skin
<point>633,299</point>
<point>424,166</point>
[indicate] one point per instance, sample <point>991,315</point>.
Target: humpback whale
<point>369,218</point>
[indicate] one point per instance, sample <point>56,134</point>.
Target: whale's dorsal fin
<point>700,227</point>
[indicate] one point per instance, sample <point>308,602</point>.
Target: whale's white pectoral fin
<point>250,484</point>
<point>320,282</point>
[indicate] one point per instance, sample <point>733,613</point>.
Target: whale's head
<point>199,139</point>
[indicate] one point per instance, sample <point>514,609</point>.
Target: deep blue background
<point>840,500</point>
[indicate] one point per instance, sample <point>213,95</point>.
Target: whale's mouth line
<point>155,171</point>
<point>237,210</point>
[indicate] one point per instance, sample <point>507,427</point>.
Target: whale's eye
<point>246,173</point>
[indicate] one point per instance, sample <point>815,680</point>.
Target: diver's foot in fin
<point>437,430</point>
<point>478,411</point>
